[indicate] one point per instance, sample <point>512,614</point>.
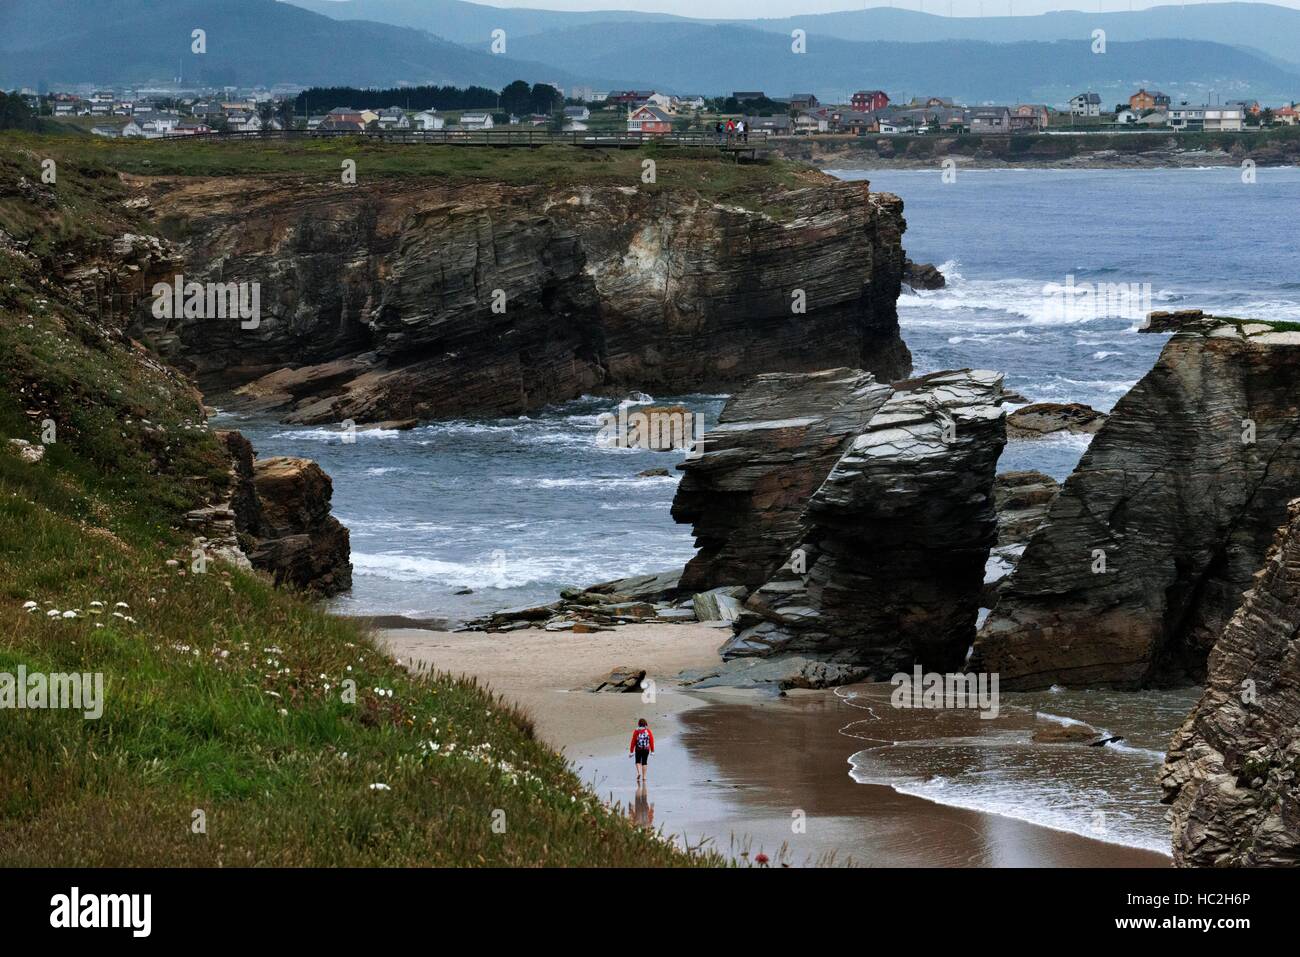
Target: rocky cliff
<point>774,445</point>
<point>859,514</point>
<point>1231,770</point>
<point>889,567</point>
<point>429,299</point>
<point>1152,540</point>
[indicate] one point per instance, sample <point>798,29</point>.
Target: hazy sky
<point>783,8</point>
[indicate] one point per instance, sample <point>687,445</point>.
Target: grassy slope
<point>702,172</point>
<point>222,694</point>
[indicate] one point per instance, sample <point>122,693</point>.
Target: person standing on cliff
<point>641,747</point>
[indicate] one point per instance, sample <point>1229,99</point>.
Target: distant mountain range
<point>248,42</point>
<point>1264,27</point>
<point>1228,50</point>
<point>685,57</point>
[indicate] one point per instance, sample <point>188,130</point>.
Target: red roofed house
<point>869,100</point>
<point>649,119</point>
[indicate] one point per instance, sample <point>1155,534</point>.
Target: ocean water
<point>456,519</point>
<point>461,518</point>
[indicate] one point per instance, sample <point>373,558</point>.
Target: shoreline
<point>735,769</point>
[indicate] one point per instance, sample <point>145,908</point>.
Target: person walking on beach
<point>641,747</point>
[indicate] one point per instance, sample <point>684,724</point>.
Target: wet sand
<point>744,771</point>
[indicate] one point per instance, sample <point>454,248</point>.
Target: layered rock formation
<point>1022,500</point>
<point>1232,772</point>
<point>1046,418</point>
<point>889,566</point>
<point>774,444</point>
<point>427,299</point>
<point>1151,542</point>
<point>277,519</point>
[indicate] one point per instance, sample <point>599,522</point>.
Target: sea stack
<point>1230,773</point>
<point>1148,547</point>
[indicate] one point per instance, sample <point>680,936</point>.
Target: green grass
<point>702,171</point>
<point>223,695</point>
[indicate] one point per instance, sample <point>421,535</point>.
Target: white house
<point>1085,104</point>
<point>1208,118</point>
<point>690,102</point>
<point>661,100</point>
<point>1125,118</point>
<point>244,123</point>
<point>476,121</point>
<point>429,120</point>
<point>393,118</point>
<point>577,113</point>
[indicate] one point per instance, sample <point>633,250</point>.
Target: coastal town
<point>154,114</point>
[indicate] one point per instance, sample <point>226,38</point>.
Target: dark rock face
<point>1153,539</point>
<point>1231,769</point>
<point>923,275</point>
<point>775,443</point>
<point>1044,418</point>
<point>377,302</point>
<point>1022,500</point>
<point>890,564</point>
<point>301,544</point>
<point>277,519</point>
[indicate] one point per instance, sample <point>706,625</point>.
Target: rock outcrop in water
<point>889,566</point>
<point>1232,772</point>
<point>774,445</point>
<point>861,512</point>
<point>1148,547</point>
<point>424,299</point>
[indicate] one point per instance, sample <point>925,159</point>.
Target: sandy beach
<point>745,771</point>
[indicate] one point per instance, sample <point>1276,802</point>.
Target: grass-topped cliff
<point>222,694</point>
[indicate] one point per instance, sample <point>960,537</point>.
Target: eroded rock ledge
<point>377,301</point>
<point>1152,540</point>
<point>1231,770</point>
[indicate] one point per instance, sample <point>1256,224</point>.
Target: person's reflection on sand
<point>642,811</point>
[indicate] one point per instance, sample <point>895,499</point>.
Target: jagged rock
<point>653,587</point>
<point>299,542</point>
<point>782,672</point>
<point>622,679</point>
<point>1022,500</point>
<point>719,604</point>
<point>774,444</point>
<point>1045,418</point>
<point>377,302</point>
<point>923,275</point>
<point>1231,771</point>
<point>895,539</point>
<point>1149,545</point>
<point>653,473</point>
